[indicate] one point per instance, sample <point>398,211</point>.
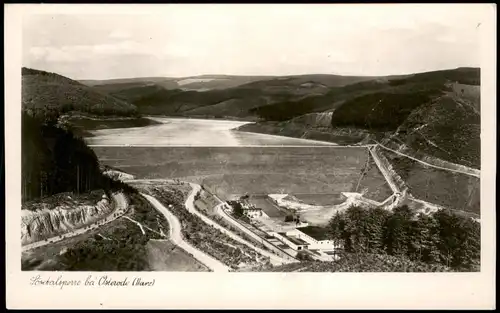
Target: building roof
<point>251,209</point>
<point>294,240</point>
<point>318,233</point>
<point>297,241</point>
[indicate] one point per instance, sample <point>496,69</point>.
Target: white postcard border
<point>247,290</point>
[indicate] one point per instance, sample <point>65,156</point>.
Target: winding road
<point>175,234</point>
<point>121,206</point>
<point>275,259</point>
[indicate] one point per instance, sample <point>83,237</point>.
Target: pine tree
<point>460,240</point>
<point>337,231</point>
<point>356,223</point>
<point>397,235</point>
<point>375,229</point>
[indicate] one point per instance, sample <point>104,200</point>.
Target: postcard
<point>250,155</point>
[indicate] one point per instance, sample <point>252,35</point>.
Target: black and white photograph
<point>291,139</point>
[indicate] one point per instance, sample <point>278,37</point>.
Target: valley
<point>419,111</point>
<point>295,152</point>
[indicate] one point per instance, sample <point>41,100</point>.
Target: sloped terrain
<point>230,108</point>
<point>118,81</point>
<point>54,160</point>
<point>120,245</point>
<point>60,214</point>
<point>210,82</point>
<point>382,96</point>
<point>43,90</point>
<point>206,95</point>
<point>310,81</point>
<point>452,190</point>
<point>156,100</point>
<point>82,125</point>
<point>328,100</point>
<point>435,114</point>
<point>200,83</point>
<point>447,128</point>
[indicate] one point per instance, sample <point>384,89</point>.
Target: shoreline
<point>165,120</point>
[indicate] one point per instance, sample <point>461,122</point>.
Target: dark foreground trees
<point>439,238</point>
<point>54,160</point>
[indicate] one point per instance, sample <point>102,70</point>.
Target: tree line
<point>55,160</point>
<point>441,237</point>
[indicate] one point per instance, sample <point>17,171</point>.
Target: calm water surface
<point>192,132</point>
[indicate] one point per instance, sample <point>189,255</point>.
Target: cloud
<point>81,52</point>
<point>50,54</point>
<point>274,40</point>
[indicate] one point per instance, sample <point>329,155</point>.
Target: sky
<point>189,40</point>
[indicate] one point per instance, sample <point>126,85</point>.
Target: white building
<point>248,209</point>
<point>307,238</point>
<point>295,243</point>
<point>316,240</point>
<point>252,211</point>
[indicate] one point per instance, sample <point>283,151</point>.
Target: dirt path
<point>474,172</point>
<point>142,227</point>
<point>121,206</point>
<point>175,235</point>
<point>137,223</point>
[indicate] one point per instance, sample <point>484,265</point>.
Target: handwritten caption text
<point>90,281</point>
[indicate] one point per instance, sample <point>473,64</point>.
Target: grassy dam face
<point>315,174</point>
<point>231,163</point>
<point>254,170</point>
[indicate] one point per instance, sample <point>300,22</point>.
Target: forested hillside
<point>434,113</point>
<point>376,240</point>
<point>222,96</point>
<point>54,160</point>
<point>439,238</point>
<point>42,89</point>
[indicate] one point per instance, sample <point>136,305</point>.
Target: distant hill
<point>369,93</point>
<point>311,80</point>
<point>93,82</point>
<point>156,100</point>
<point>437,113</point>
<point>199,83</point>
<point>43,90</point>
<point>55,158</point>
<point>212,82</point>
<point>220,95</point>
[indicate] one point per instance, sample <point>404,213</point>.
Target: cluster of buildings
<point>247,208</point>
<point>293,239</point>
<point>310,239</point>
